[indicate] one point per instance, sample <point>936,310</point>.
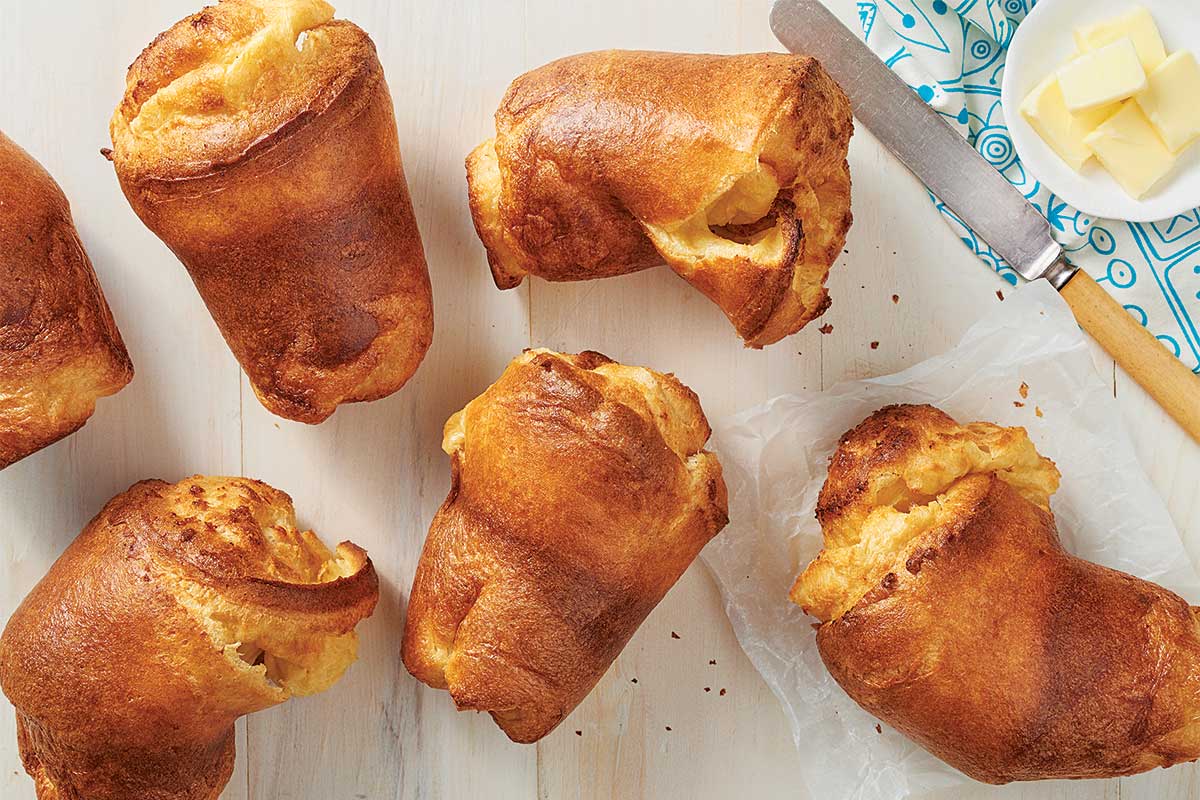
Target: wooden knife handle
<point>1174,386</point>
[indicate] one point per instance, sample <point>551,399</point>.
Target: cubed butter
<point>1137,24</point>
<point>1171,100</point>
<point>1131,150</point>
<point>1063,131</point>
<point>1099,77</point>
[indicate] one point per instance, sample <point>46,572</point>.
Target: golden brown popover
<point>730,169</point>
<point>179,608</point>
<point>950,610</point>
<point>580,492</point>
<point>60,350</point>
<point>257,139</point>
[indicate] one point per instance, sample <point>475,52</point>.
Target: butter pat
<point>1102,76</point>
<point>1171,100</point>
<point>1047,113</point>
<point>1138,25</point>
<point>1129,148</point>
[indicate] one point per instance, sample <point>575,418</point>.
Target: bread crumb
<point>1018,404</point>
<point>827,328</point>
<point>722,693</point>
<point>674,635</point>
<point>1038,411</point>
<point>878,729</point>
<point>1024,390</point>
<point>712,662</point>
<point>579,733</point>
<point>708,688</point>
<point>1000,295</point>
<point>895,298</point>
<point>668,727</point>
<point>874,345</point>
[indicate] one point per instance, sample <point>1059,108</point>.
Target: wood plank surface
<point>375,473</point>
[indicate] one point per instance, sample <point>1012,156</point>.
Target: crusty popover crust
<point>580,492</point>
<point>179,608</point>
<point>257,139</point>
<point>60,350</point>
<point>950,610</point>
<point>730,169</point>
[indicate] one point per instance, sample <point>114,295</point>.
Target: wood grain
<point>375,473</point>
<point>1134,348</point>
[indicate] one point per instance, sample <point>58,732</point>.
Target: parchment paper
<point>775,458</point>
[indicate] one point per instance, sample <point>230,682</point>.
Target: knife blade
<point>936,153</point>
<point>983,199</point>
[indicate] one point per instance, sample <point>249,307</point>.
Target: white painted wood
<point>62,74</point>
<point>375,473</point>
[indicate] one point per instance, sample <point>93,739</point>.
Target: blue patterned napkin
<point>952,54</point>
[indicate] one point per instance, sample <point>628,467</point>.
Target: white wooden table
<point>375,473</point>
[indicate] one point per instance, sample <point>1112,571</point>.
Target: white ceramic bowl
<point>1042,43</point>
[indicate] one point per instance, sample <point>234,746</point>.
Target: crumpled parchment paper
<point>775,459</point>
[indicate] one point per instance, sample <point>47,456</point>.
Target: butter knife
<point>983,199</point>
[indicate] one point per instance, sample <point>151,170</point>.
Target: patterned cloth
<point>952,54</point>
